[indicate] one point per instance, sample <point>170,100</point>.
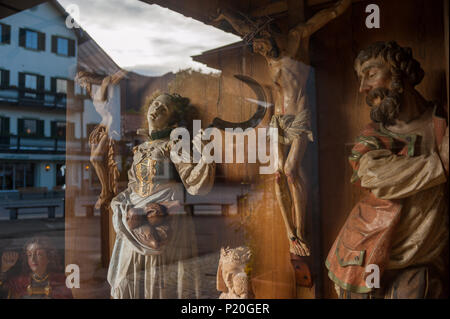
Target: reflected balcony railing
<point>43,144</point>
<point>32,144</point>
<point>28,97</point>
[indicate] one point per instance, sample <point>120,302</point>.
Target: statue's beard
<point>385,105</point>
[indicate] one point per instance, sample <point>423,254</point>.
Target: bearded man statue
<point>392,244</point>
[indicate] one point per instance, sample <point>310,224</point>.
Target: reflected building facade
<point>35,131</point>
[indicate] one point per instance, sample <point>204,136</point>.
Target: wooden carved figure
<point>102,139</point>
<point>398,231</point>
<point>151,236</point>
<point>287,59</point>
<point>232,279</point>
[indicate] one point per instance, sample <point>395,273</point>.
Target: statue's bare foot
<point>304,248</point>
<point>300,247</point>
<point>134,218</point>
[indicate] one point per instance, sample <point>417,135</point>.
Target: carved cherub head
<point>386,70</point>
<point>231,276</point>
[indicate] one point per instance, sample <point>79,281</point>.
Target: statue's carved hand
<point>9,259</point>
<point>106,80</point>
<point>156,214</point>
<point>153,237</point>
<point>135,218</point>
<point>118,76</point>
<point>150,224</point>
<point>341,6</point>
<point>147,235</point>
<point>217,16</point>
<point>163,233</point>
<point>100,202</point>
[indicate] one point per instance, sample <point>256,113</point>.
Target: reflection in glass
<point>62,46</point>
<point>31,39</point>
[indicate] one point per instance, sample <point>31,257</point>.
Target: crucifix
<point>288,61</point>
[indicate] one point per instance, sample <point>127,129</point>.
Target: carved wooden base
<point>302,271</point>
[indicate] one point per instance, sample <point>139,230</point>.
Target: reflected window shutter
<point>20,126</point>
<point>41,83</point>
<point>22,37</point>
<point>21,84</point>
<point>41,41</point>
<point>5,78</point>
<point>53,129</point>
<point>7,35</point>
<point>54,44</point>
<point>21,80</point>
<point>5,126</point>
<point>40,127</point>
<point>41,87</point>
<point>71,47</point>
<point>53,85</point>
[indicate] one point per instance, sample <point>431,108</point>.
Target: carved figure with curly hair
<point>153,240</point>
<point>399,229</point>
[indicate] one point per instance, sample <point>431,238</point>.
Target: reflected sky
<point>147,39</point>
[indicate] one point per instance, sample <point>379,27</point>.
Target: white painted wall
<point>46,178</point>
<point>44,18</point>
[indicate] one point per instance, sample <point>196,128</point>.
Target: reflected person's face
<point>159,113</point>
<point>37,259</point>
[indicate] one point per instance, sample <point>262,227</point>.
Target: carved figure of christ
<point>287,58</point>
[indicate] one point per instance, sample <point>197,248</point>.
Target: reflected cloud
<point>148,39</point>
